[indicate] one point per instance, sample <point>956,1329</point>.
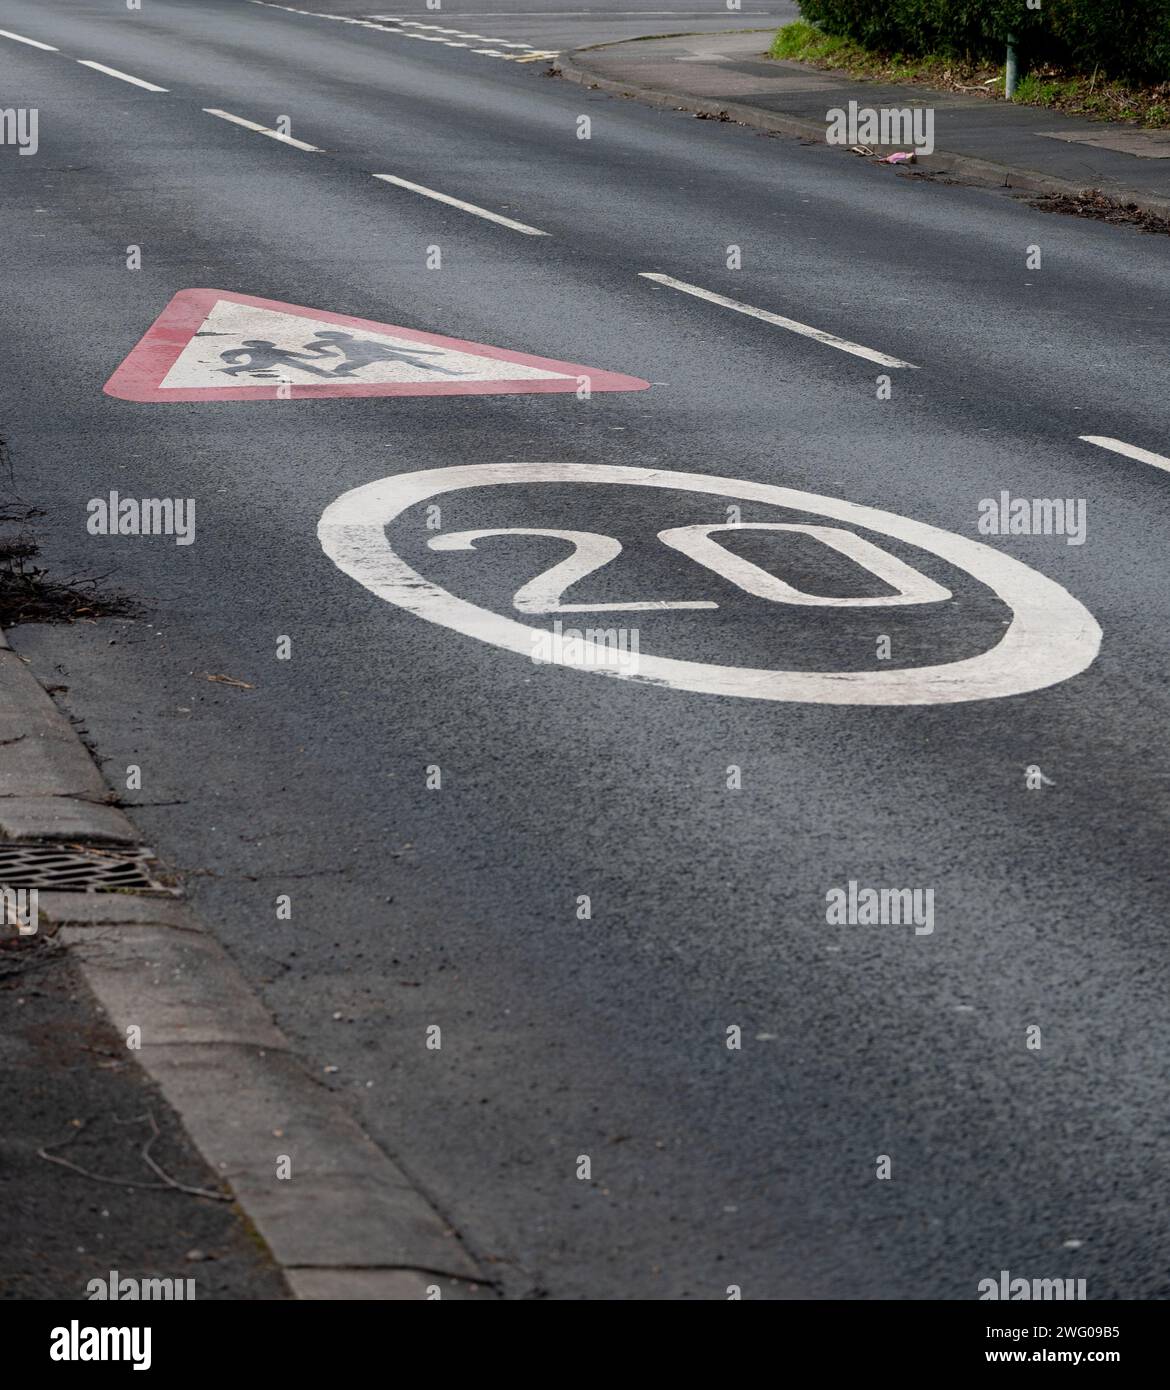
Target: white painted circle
<point>1050,638</point>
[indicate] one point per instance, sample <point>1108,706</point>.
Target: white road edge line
<point>122,76</point>
<point>1130,451</point>
<point>830,339</point>
<point>459,203</point>
<point>261,129</point>
<point>32,43</point>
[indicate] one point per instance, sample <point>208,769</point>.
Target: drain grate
<point>77,868</point>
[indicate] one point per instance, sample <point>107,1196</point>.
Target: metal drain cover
<point>77,868</point>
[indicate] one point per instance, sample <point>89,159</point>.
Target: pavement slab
<point>71,1087</point>
<point>971,133</point>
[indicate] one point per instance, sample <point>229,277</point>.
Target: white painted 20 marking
<point>590,553</point>
<point>1050,638</point>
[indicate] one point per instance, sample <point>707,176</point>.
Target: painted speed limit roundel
<point>1050,635</point>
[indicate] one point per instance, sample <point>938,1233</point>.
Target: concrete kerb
<point>575,67</point>
<point>346,1222</point>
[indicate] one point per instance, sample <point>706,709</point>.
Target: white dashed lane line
<point>1131,451</point>
<point>434,33</point>
<point>121,76</point>
<point>261,130</point>
<point>459,203</point>
<point>805,331</point>
<point>457,38</point>
<point>32,43</point>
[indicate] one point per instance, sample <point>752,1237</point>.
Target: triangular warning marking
<point>198,350</point>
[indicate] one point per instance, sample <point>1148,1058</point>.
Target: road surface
<point>706,830</point>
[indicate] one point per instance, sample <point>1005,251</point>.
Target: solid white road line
<point>527,14</point>
<point>122,76</point>
<point>406,29</point>
<point>261,129</point>
<point>830,339</point>
<point>32,43</point>
<point>1130,451</point>
<point>459,203</point>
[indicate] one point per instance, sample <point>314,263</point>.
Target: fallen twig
<point>230,680</point>
<point>167,1180</point>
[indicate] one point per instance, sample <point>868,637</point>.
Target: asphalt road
<point>570,24</point>
<point>607,1037</point>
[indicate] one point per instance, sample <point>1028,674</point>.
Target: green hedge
<point>1124,38</point>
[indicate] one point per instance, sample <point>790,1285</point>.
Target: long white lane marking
<point>819,334</point>
<point>261,129</point>
<point>123,76</point>
<point>404,29</point>
<point>608,14</point>
<point>32,43</point>
<point>459,203</point>
<point>1131,451</point>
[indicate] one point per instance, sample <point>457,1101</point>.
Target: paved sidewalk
<point>70,1087</point>
<point>119,1012</point>
<point>975,138</point>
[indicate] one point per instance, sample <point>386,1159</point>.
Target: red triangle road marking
<point>215,345</point>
